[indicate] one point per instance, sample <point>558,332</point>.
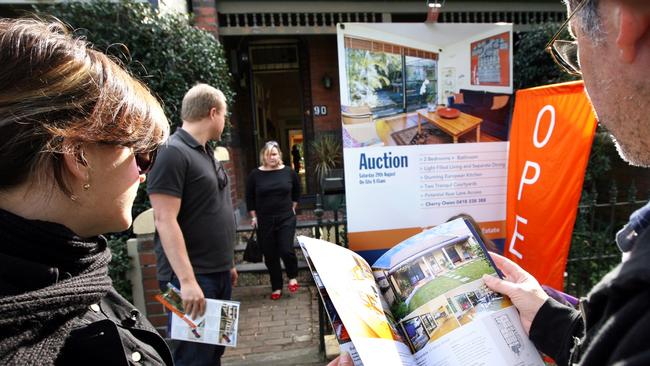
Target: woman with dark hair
<point>272,192</point>
<point>77,135</point>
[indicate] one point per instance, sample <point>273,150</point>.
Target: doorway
<point>278,103</point>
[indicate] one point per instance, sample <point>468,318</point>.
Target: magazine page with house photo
<point>356,301</point>
<point>432,284</point>
<point>341,334</point>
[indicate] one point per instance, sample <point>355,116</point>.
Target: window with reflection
<point>389,79</point>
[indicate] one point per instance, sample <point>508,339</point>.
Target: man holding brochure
<point>195,226</point>
<point>613,45</point>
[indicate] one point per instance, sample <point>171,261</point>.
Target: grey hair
<point>590,22</point>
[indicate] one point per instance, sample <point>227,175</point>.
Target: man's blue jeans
<point>215,286</point>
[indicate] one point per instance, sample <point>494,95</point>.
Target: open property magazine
<point>218,325</point>
<point>421,303</point>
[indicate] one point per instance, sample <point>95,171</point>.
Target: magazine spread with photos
<point>218,325</point>
<point>421,303</point>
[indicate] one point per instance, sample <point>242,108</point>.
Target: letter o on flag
<point>547,108</point>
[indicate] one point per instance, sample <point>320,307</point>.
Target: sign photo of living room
<point>417,84</point>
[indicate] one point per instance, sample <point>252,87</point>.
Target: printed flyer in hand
<point>421,303</point>
<point>218,325</point>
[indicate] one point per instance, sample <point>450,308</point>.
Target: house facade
<point>284,62</point>
<point>283,58</point>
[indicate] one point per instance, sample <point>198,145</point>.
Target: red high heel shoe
<point>276,296</point>
<point>294,287</point>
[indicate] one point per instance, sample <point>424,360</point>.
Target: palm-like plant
<point>366,73</point>
<point>327,155</point>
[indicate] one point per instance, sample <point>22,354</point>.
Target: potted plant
<point>327,155</point>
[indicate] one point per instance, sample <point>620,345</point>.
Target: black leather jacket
<point>613,326</point>
<point>113,332</point>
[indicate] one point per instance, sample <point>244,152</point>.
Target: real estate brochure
<point>218,325</point>
<point>421,303</point>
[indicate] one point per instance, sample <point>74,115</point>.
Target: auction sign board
<point>425,116</point>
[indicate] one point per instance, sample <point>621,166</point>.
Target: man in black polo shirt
<point>195,227</point>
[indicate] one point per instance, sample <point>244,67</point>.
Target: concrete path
<point>282,332</point>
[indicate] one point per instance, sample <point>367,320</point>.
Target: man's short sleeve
<point>168,173</point>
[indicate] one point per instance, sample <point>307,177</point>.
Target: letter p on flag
<point>524,175</point>
<point>546,167</point>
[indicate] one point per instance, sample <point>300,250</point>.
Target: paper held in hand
<point>421,303</point>
<point>218,325</point>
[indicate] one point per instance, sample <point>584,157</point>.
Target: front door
<point>278,102</point>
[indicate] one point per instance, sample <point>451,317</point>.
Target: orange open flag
<point>550,140</point>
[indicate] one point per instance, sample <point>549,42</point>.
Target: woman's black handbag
<point>253,252</point>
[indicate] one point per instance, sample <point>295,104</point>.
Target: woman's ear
<point>75,162</point>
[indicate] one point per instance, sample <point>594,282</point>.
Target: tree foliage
<point>533,66</point>
<point>367,72</point>
<point>163,50</point>
<point>120,265</point>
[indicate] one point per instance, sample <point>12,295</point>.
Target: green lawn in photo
<point>442,283</point>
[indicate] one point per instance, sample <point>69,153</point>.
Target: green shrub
<point>533,66</point>
<point>163,50</point>
<point>399,309</point>
<point>120,265</point>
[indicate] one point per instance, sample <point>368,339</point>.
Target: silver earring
<point>73,197</point>
<point>86,186</point>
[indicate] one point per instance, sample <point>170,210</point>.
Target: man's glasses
<point>565,53</point>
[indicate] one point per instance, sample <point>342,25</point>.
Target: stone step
<point>305,228</point>
<point>255,274</point>
<point>240,248</point>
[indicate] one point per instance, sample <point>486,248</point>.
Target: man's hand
<point>193,299</point>
<point>343,360</point>
<point>234,276</point>
<point>520,286</point>
<point>254,222</point>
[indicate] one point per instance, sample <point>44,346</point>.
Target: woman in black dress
<point>272,192</point>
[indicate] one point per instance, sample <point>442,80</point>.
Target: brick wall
<point>205,15</point>
<point>155,311</point>
<point>235,177</point>
<point>323,60</point>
